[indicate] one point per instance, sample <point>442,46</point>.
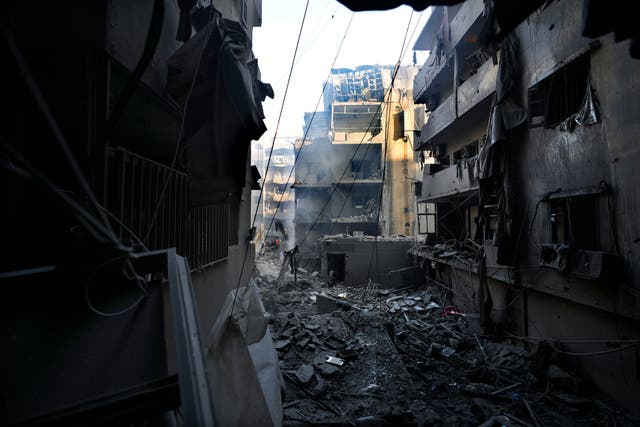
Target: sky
<point>373,38</point>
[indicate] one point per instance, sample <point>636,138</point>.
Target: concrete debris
<point>304,374</point>
<point>406,357</point>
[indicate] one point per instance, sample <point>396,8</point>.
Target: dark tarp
<point>493,160</point>
<point>222,115</point>
<point>508,13</point>
<point>184,24</point>
<point>505,113</point>
<point>362,5</point>
<point>588,113</point>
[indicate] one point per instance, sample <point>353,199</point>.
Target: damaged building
<point>125,216</point>
<point>277,204</point>
<point>527,211</point>
<point>356,156</point>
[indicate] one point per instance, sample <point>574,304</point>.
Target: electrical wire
<point>185,108</point>
<point>284,98</point>
<point>304,138</point>
<point>358,147</point>
<point>131,233</point>
<point>634,344</point>
<point>275,134</point>
<point>42,105</point>
<point>27,170</point>
<point>386,148</point>
<point>141,282</point>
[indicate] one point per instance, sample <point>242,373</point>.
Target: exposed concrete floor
<point>407,361</point>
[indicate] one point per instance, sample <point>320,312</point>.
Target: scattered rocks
<point>411,359</point>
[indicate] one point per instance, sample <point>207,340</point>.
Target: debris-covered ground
<point>370,356</point>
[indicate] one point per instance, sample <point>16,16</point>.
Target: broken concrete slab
<point>304,374</point>
<point>328,304</point>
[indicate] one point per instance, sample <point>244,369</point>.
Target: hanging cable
<point>151,43</point>
<point>384,163</point>
<point>185,109</point>
<point>42,105</point>
<point>89,222</point>
<point>304,138</point>
<point>275,135</point>
<point>129,275</point>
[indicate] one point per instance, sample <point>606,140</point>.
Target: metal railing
<point>133,188</point>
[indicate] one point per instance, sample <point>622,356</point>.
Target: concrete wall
<point>546,303</point>
<point>367,259</point>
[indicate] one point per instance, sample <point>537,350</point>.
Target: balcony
<point>461,33</point>
<point>455,180</point>
<point>471,105</point>
<point>477,87</point>
<point>360,118</point>
<point>438,120</point>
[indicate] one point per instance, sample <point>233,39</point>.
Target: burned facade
<point>125,214</point>
<point>527,210</point>
<point>277,196</point>
<point>356,157</point>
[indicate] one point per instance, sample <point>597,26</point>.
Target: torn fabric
<point>588,113</point>
<point>363,5</point>
<point>246,382</point>
<point>222,114</point>
<point>493,160</point>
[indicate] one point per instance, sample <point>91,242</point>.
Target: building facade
<point>111,94</point>
<point>528,205</point>
<point>278,196</point>
<point>357,140</point>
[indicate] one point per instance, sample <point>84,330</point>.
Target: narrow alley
<point>319,213</point>
<point>370,356</point>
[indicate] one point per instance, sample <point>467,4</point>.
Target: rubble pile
<point>371,356</point>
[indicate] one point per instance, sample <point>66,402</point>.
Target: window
<point>426,218</point>
<point>360,169</point>
<point>560,95</point>
<point>466,152</point>
<point>574,222</point>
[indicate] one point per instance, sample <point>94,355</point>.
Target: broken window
<point>360,169</point>
<point>574,222</point>
<point>426,218</point>
<point>560,95</point>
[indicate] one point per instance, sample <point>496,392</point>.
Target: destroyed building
<point>125,216</point>
<point>356,156</point>
<point>527,211</point>
<point>277,197</point>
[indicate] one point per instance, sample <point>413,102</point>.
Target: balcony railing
<point>471,94</point>
<point>435,75</point>
<point>134,188</point>
<point>454,180</point>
